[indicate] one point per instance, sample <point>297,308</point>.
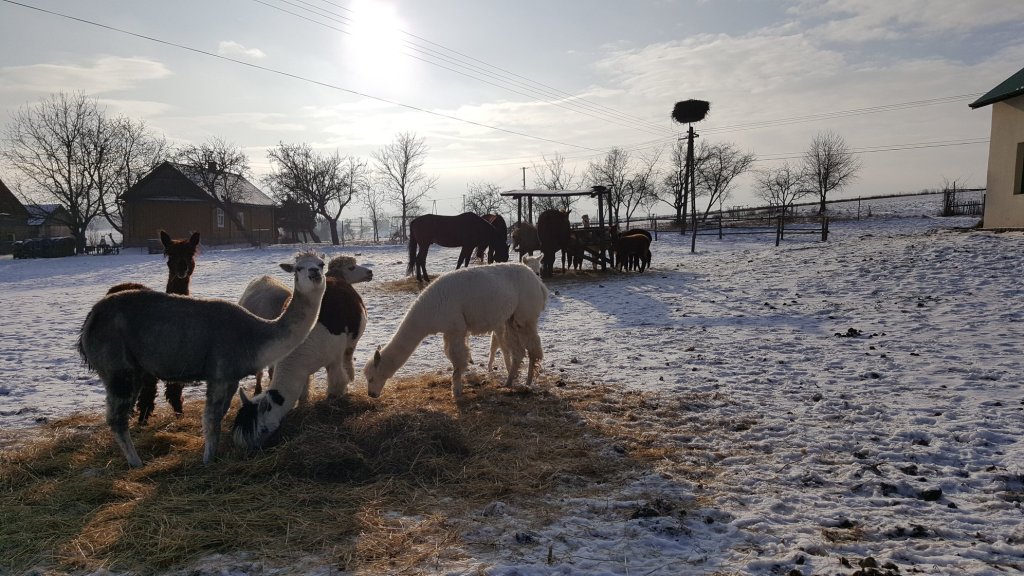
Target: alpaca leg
<point>494,348</point>
<point>457,352</point>
<point>173,393</point>
<point>337,379</point>
<point>512,350</point>
<point>147,399</point>
<point>349,363</point>
<point>306,388</point>
<point>218,400</point>
<point>122,391</point>
<point>535,352</point>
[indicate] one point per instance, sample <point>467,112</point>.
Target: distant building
<point>1004,199</point>
<point>13,218</point>
<point>168,199</point>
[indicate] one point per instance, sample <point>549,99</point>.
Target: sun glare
<point>373,48</point>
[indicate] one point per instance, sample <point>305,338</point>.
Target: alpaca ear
<point>287,267</point>
<point>376,357</point>
<point>245,399</point>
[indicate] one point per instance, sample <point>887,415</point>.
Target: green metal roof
<point>1012,86</point>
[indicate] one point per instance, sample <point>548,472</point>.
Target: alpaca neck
<point>177,285</point>
<point>292,327</point>
<point>410,333</point>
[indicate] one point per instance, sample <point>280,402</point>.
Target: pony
<point>504,299</point>
<point>137,334</point>
<point>467,230</point>
<point>553,230</point>
<point>331,345</point>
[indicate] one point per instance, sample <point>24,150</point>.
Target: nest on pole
<point>689,111</point>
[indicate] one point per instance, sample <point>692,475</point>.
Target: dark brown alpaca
<point>181,262</point>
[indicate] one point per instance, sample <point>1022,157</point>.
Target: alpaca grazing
<point>330,345</point>
<point>133,335</point>
<point>505,299</point>
<point>266,297</point>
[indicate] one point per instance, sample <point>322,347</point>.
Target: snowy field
<point>856,398</point>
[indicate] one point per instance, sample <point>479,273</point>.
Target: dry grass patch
<point>361,484</point>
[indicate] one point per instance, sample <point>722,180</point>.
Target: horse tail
<point>412,254</point>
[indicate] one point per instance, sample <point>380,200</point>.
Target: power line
<point>294,76</point>
<point>511,81</point>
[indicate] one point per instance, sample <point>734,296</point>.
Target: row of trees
<point>69,150</point>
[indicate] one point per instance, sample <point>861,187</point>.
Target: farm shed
<point>13,219</point>
<point>169,199</point>
<point>1004,200</point>
<point>596,240</point>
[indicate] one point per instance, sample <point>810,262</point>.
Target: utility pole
<point>524,177</point>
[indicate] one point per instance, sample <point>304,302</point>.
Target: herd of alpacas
<point>135,336</point>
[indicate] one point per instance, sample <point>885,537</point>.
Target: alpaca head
<point>258,419</point>
<point>377,371</point>
<point>181,254</point>
<point>308,270</point>
<point>533,262</point>
<point>345,267</point>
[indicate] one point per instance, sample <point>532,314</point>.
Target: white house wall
<point>1004,204</point>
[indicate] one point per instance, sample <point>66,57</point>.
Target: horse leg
<point>421,264</point>
<point>458,353</point>
<point>218,399</point>
<point>173,392</point>
<point>122,392</point>
<point>464,256</point>
<point>147,399</point>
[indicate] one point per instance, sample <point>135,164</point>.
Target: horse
<point>499,224</point>
<point>553,229</point>
<point>467,230</point>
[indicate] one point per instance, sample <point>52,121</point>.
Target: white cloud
<point>872,20</point>
<point>233,49</point>
<point>105,74</point>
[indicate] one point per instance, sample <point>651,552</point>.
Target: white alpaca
<point>506,299</point>
<point>533,262</point>
<point>135,335</point>
<point>330,345</point>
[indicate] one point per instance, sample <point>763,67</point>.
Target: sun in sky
<point>373,50</point>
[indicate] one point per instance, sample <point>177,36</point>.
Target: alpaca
<point>533,263</point>
<point>266,297</point>
<point>138,334</point>
<point>506,299</point>
<point>331,344</point>
<point>181,263</point>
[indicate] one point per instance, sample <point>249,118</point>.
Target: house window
<point>220,218</point>
<point>1018,184</point>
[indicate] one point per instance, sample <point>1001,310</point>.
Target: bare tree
<point>373,200</point>
<point>136,152</point>
<point>400,171</point>
<point>324,182</point>
<point>52,144</point>
<point>642,187</point>
<point>673,192</point>
<point>716,167</point>
<point>780,188</point>
<point>613,173</point>
<point>829,165</point>
<point>485,198</point>
<point>220,168</point>
<point>553,175</point>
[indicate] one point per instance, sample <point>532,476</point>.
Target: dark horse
<point>467,230</point>
<point>499,224</point>
<point>553,229</point>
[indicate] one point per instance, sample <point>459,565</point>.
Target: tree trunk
<point>333,223</point>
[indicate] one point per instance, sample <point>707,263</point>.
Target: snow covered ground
<point>856,398</point>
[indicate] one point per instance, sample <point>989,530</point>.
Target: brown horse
<point>499,224</point>
<point>553,229</point>
<point>467,230</point>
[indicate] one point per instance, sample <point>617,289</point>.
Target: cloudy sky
<point>497,86</point>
